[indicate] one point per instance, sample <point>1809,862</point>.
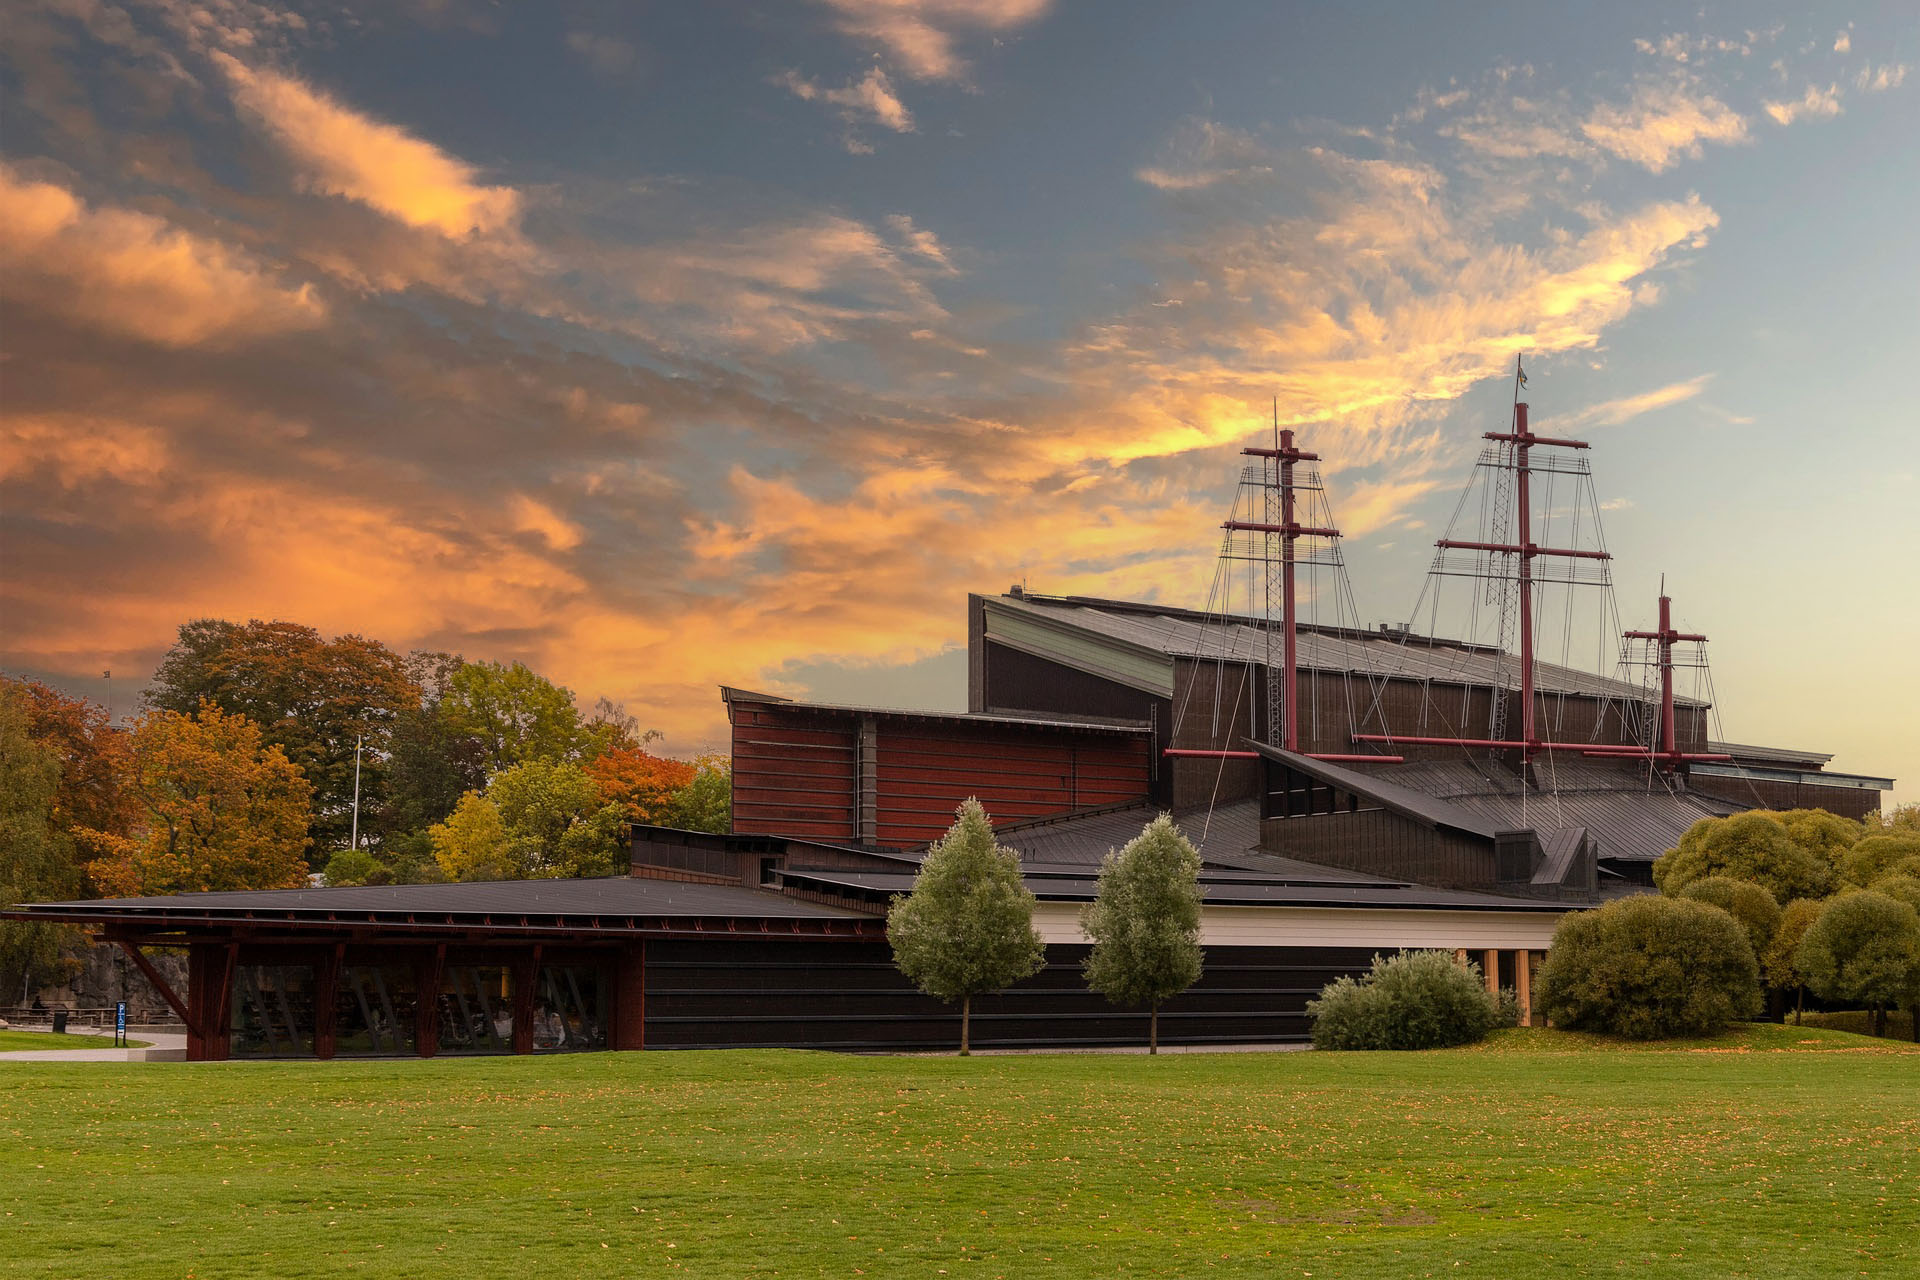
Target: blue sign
<point>120,1022</point>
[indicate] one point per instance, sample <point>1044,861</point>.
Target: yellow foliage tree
<point>221,809</point>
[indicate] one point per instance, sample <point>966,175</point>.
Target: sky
<point>666,346</point>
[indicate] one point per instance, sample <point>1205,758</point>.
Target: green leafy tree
<point>1902,818</point>
<point>36,855</point>
<point>556,821</point>
<point>431,760</point>
<point>1876,856</point>
<point>1864,949</point>
<point>1779,965</point>
<point>1825,835</point>
<point>967,927</point>
<point>1748,846</point>
<point>1648,968</point>
<point>1900,887</point>
<point>355,867</point>
<point>515,715</point>
<point>1144,921</point>
<point>312,697</point>
<point>706,802</point>
<point>1746,902</point>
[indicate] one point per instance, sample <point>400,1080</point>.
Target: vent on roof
<point>1396,628</point>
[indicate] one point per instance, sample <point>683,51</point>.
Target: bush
<point>1748,846</point>
<point>1777,962</point>
<point>354,866</point>
<point>1877,856</point>
<point>1901,887</point>
<point>1864,949</point>
<point>1413,1000</point>
<point>1746,902</point>
<point>1647,968</point>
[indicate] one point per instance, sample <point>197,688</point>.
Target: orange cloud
<point>340,152</point>
<point>131,273</point>
<point>920,34</point>
<point>1662,123</point>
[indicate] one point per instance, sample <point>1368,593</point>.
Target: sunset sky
<point>667,345</point>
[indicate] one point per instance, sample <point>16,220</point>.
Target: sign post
<point>120,1024</point>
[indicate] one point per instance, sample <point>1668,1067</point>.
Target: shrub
<point>1877,856</point>
<point>1826,835</point>
<point>354,866</point>
<point>1901,887</point>
<point>1748,846</point>
<point>1777,962</point>
<point>1648,967</point>
<point>1413,1000</point>
<point>1745,901</point>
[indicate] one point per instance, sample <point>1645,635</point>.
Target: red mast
<point>1666,751</point>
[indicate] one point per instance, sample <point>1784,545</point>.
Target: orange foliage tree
<point>221,810</point>
<point>642,784</point>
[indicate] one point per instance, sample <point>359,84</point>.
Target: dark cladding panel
<point>794,772</point>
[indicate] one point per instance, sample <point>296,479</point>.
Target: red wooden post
<point>325,1001</point>
<point>219,1020</point>
<point>199,958</point>
<point>630,997</point>
<point>426,1005</point>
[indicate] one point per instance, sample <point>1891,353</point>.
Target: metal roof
<point>1770,755</point>
<point>731,695</point>
<point>1180,633</point>
<point>606,896</point>
<point>1231,892</point>
<point>1415,802</point>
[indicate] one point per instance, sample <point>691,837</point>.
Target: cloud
<point>1843,42</point>
<point>1204,153</point>
<point>340,152</point>
<point>122,271</point>
<point>870,99</point>
<point>1662,123</point>
<point>920,34</point>
<point>1873,79</point>
<point>1815,102</point>
<point>1611,413</point>
<point>604,55</point>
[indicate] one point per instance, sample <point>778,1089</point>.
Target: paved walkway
<point>161,1046</point>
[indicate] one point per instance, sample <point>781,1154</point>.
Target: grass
<point>1774,1151</point>
<point>12,1041</point>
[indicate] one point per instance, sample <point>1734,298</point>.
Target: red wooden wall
<point>796,771</point>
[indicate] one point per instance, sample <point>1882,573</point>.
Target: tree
<point>537,820</point>
<point>1748,846</point>
<point>1647,968</point>
<point>514,714</point>
<point>472,843</point>
<point>1144,921</point>
<point>36,852</point>
<point>556,823</point>
<point>92,793</point>
<point>1864,949</point>
<point>1824,834</point>
<point>223,809</point>
<point>705,803</point>
<point>967,927</point>
<point>354,867</point>
<point>312,697</point>
<point>431,761</point>
<point>1901,818</point>
<point>1779,965</point>
<point>1876,856</point>
<point>642,784</point>
<point>1748,903</point>
<point>1901,887</point>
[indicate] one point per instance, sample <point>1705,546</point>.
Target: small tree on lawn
<point>1780,965</point>
<point>967,927</point>
<point>1145,922</point>
<point>1864,949</point>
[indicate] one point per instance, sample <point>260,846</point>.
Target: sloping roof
<point>731,695</point>
<point>1182,633</point>
<point>1417,803</point>
<point>469,902</point>
<point>1631,814</point>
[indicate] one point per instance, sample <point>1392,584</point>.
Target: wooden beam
<point>167,993</point>
<point>1490,970</point>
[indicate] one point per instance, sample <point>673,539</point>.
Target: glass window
<point>272,1011</point>
<point>375,1011</point>
<point>476,1009</point>
<point>570,1009</point>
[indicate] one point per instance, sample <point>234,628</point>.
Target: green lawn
<point>10,1041</point>
<point>1780,1152</point>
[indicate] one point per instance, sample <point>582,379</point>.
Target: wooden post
<point>219,1021</point>
<point>630,997</point>
<point>326,1002</point>
<point>1490,965</point>
<point>199,961</point>
<point>1523,985</point>
<point>525,972</point>
<point>1460,956</point>
<point>426,1003</point>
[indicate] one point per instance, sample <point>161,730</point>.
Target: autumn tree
<point>222,809</point>
<point>36,852</point>
<point>312,697</point>
<point>1865,950</point>
<point>706,802</point>
<point>642,784</point>
<point>1144,921</point>
<point>967,927</point>
<point>92,793</point>
<point>472,843</point>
